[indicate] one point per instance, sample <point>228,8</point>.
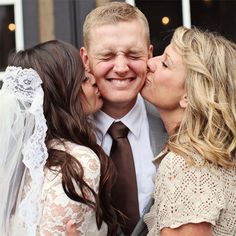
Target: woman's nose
<point>92,80</point>
<point>151,64</point>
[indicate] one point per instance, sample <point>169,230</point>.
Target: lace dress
<point>193,194</point>
<point>58,209</point>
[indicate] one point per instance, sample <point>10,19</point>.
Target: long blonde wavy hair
<point>209,126</point>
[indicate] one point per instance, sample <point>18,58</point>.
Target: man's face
<point>117,57</point>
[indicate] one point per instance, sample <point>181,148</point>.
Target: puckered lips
<point>148,79</point>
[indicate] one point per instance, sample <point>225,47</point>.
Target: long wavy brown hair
<point>60,67</point>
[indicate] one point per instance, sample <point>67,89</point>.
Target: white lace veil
<point>23,152</point>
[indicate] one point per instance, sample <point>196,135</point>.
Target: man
<point>116,50</point>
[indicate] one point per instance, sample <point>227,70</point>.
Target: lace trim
<point>26,86</point>
<point>22,82</point>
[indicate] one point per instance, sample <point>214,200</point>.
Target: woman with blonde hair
<point>193,85</point>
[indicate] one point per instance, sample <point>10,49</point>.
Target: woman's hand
<point>71,229</point>
<point>203,229</point>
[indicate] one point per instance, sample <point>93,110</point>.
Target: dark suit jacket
<point>158,137</point>
<point>157,131</point>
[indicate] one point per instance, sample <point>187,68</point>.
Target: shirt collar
<point>102,121</point>
<point>133,119</point>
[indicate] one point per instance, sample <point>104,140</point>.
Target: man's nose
<point>121,64</point>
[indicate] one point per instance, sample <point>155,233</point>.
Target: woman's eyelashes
<point>164,64</point>
<point>85,79</point>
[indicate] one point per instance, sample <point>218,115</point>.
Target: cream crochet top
<point>192,194</point>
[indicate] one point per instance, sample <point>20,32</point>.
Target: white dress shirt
<point>137,122</point>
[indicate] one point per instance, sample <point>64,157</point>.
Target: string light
<point>165,20</point>
<point>12,27</point>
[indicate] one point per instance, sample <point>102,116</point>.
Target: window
<point>11,29</point>
<point>7,33</point>
<point>215,15</point>
<point>165,15</point>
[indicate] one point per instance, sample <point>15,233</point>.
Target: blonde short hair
<point>209,127</point>
<point>113,13</point>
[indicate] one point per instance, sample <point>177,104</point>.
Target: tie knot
<point>118,130</point>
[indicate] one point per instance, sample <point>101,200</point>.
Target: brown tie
<point>124,193</point>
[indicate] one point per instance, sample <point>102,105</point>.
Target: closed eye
<point>85,79</point>
<point>106,58</point>
<point>134,57</point>
<point>164,64</point>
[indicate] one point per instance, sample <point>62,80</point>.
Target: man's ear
<point>150,52</point>
<point>84,57</point>
<point>183,101</point>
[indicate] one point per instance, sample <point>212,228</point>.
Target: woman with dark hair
<point>76,175</point>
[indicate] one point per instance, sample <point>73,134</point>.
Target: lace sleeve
<point>58,209</point>
<point>186,193</point>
